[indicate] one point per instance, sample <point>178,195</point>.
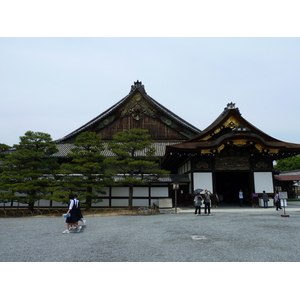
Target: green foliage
<point>287,164</point>
<point>85,173</point>
<point>28,170</point>
<point>134,159</point>
<point>3,150</point>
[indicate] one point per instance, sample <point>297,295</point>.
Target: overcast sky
<point>57,84</point>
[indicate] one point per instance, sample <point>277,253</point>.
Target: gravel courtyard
<point>228,235</point>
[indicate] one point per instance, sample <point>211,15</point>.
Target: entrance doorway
<point>228,184</point>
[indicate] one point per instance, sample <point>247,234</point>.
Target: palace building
<point>229,155</point>
<point>139,110</point>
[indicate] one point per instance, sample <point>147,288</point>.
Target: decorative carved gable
<point>138,110</point>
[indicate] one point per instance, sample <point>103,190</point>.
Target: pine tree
<point>27,172</point>
<point>84,174</point>
<point>134,159</point>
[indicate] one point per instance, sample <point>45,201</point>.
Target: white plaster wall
<point>159,192</point>
<point>263,181</point>
<point>120,191</point>
<point>55,203</point>
<point>119,202</point>
<point>140,202</point>
<point>104,202</point>
<point>203,181</point>
<point>15,204</point>
<point>140,192</point>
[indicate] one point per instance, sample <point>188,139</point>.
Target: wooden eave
<point>227,138</point>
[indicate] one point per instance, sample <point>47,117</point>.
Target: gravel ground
<point>228,235</point>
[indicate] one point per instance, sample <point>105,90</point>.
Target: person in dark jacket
<point>277,201</point>
<point>207,202</point>
<point>198,202</point>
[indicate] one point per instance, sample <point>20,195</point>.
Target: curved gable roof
<point>230,118</point>
<point>136,90</point>
<point>231,127</point>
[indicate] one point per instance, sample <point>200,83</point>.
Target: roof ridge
<point>138,85</point>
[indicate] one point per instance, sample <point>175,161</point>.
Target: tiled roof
<point>287,177</point>
<point>290,172</point>
<point>160,148</point>
<point>183,178</point>
<point>292,175</point>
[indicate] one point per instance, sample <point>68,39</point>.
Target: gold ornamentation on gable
<point>239,143</point>
<point>137,97</point>
<point>232,163</point>
<point>273,150</point>
<point>213,151</point>
<point>261,149</point>
<point>149,112</point>
<point>206,137</point>
<point>202,165</point>
<point>137,112</point>
<point>205,151</point>
<point>230,122</point>
<point>166,120</point>
<point>261,165</point>
<point>105,122</point>
<point>221,148</point>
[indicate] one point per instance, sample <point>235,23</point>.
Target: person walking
<point>198,202</point>
<point>78,210</point>
<point>72,219</point>
<point>265,199</point>
<point>207,202</point>
<point>241,197</point>
<point>277,201</point>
